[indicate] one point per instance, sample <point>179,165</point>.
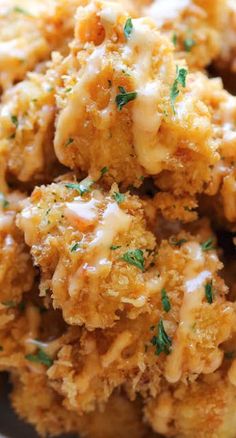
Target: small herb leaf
<point>180,79</point>
<point>161,341</point>
<point>74,247</point>
<point>3,201</point>
<point>128,27</point>
<point>114,247</point>
<point>209,292</point>
<point>189,43</point>
<point>178,243</point>
<point>207,245</point>
<point>165,301</point>
<point>124,97</point>
<point>134,257</point>
<point>82,187</point>
<point>40,357</point>
<point>119,197</point>
<point>104,170</point>
<point>14,120</point>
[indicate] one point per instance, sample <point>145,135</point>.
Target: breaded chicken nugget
<point>16,270</point>
<point>27,113</point>
<point>201,409</point>
<point>194,26</point>
<point>29,31</point>
<point>126,104</point>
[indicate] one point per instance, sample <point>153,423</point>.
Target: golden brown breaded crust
<point>16,270</point>
<point>203,409</point>
<point>96,127</point>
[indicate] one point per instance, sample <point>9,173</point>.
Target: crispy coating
<point>47,24</point>
<point>194,26</point>
<point>203,409</point>
<point>16,270</point>
<point>27,115</point>
<point>149,133</point>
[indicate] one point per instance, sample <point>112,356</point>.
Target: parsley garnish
<point>74,247</point>
<point>128,27</point>
<point>119,197</point>
<point>14,120</point>
<point>114,247</point>
<point>124,97</point>
<point>40,357</point>
<point>3,200</point>
<point>189,43</point>
<point>230,355</point>
<point>174,39</point>
<point>165,301</point>
<point>82,187</point>
<point>69,141</point>
<point>20,10</point>
<point>178,243</point>
<point>161,341</point>
<point>104,170</point>
<point>134,257</point>
<point>207,245</point>
<point>209,292</point>
<point>180,79</point>
<point>68,90</point>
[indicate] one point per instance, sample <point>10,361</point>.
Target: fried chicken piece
<point>227,57</point>
<point>27,113</point>
<point>30,30</point>
<point>92,248</point>
<point>126,104</point>
<point>201,409</point>
<point>194,26</point>
<point>221,186</point>
<point>16,270</point>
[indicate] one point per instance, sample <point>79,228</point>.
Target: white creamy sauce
<point>194,292</point>
<point>163,11</point>
<point>84,211</point>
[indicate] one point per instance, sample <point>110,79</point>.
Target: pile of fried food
<point>118,180</point>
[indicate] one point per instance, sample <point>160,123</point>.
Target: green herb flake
<point>14,120</point>
<point>40,357</point>
<point>174,39</point>
<point>3,201</point>
<point>74,247</point>
<point>119,197</point>
<point>178,243</point>
<point>134,257</point>
<point>124,97</point>
<point>114,247</point>
<point>104,170</point>
<point>209,292</point>
<point>20,10</point>
<point>189,43</point>
<point>10,304</point>
<point>68,90</point>
<point>207,245</point>
<point>229,355</point>
<point>165,301</point>
<point>128,27</point>
<point>161,341</point>
<point>69,141</point>
<point>82,187</point>
<point>180,79</point>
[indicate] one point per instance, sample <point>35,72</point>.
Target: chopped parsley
<point>104,170</point>
<point>165,301</point>
<point>134,257</point>
<point>178,243</point>
<point>230,355</point>
<point>174,39</point>
<point>180,79</point>
<point>207,245</point>
<point>74,247</point>
<point>119,197</point>
<point>82,187</point>
<point>69,141</point>
<point>40,357</point>
<point>14,120</point>
<point>68,90</point>
<point>20,10</point>
<point>3,201</point>
<point>209,292</point>
<point>128,27</point>
<point>114,247</point>
<point>124,97</point>
<point>161,340</point>
<point>189,43</point>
